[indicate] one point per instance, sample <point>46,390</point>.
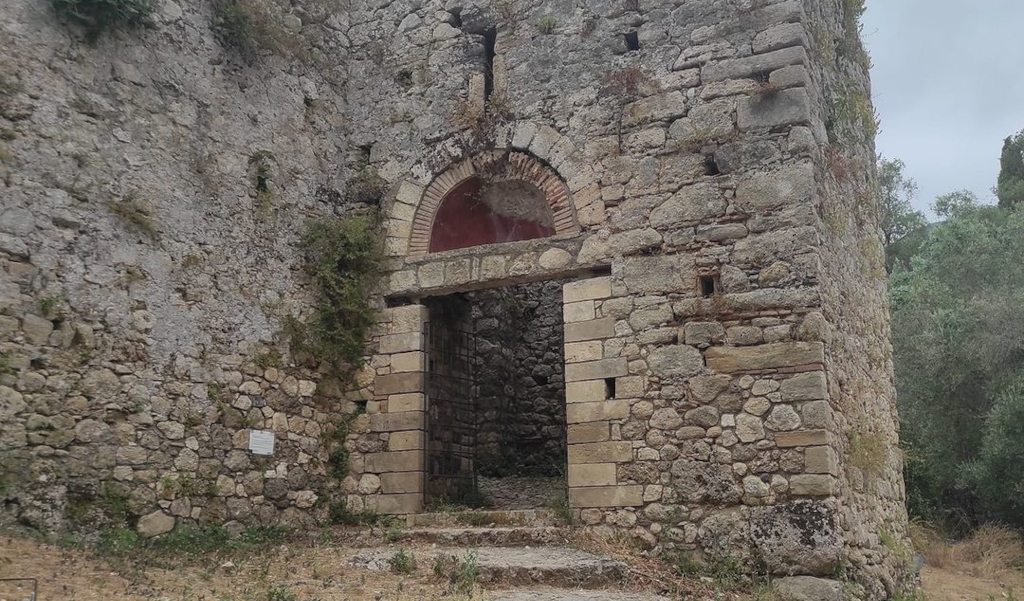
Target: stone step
<point>534,518</point>
<point>578,595</point>
<point>498,536</point>
<point>519,566</point>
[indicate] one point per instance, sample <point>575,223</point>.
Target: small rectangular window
<point>609,384</point>
<point>708,286</point>
<point>632,41</point>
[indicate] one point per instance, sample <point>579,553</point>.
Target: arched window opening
<point>474,214</point>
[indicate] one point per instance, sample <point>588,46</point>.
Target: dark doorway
<point>496,398</point>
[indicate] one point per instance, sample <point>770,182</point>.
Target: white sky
<point>948,84</point>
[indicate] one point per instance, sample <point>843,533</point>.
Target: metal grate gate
<point>451,413</point>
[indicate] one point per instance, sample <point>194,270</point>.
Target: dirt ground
<point>944,585</point>
<point>305,573</point>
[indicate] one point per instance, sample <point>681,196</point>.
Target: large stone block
<point>406,362</point>
<point>409,401</point>
<point>579,311</point>
<point>592,432</point>
<point>809,386</point>
<point>601,452</point>
<point>659,274</point>
<point>801,438</point>
<point>397,504</point>
<point>587,391</point>
<point>402,483</point>
<point>597,329</point>
<point>399,383</point>
<point>589,289</point>
<point>596,370</point>
<point>394,461</point>
<point>809,588</point>
<point>676,361</point>
<point>409,440</point>
<point>401,343</point>
<point>592,474</point>
<point>778,109</point>
<point>578,352</point>
<point>797,537</point>
<point>607,496</point>
<point>749,66</point>
<point>654,108</point>
<point>729,359</point>
<point>690,204</point>
<point>396,422</point>
<point>812,485</point>
<point>579,413</point>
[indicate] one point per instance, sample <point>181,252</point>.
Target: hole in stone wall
<point>601,270</point>
<point>711,165</point>
<point>708,285</point>
<point>363,154</point>
<point>360,406</point>
<point>496,414</point>
<point>490,42</point>
<point>762,77</point>
<point>632,41</point>
<point>457,17</point>
<point>609,384</point>
<point>398,301</point>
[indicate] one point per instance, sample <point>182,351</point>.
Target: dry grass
<point>990,552</point>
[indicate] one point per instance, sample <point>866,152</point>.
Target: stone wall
<point>152,188</point>
<point>521,405</point>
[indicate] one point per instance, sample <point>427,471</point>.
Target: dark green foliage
<point>99,16</point>
<point>958,341</point>
<point>997,475</point>
<point>901,224</point>
<point>342,258</point>
<point>336,435</point>
<point>337,463</point>
<point>1010,186</point>
<point>189,543</point>
<point>402,562</point>
<point>339,514</point>
<point>366,187</point>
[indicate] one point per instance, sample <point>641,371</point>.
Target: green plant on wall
<point>342,258</point>
<point>99,16</point>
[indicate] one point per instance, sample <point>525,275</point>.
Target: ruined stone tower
<point>698,174</point>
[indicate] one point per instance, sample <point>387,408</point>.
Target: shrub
<point>342,257</point>
<point>547,24</point>
<point>403,562</point>
<point>339,514</point>
<point>99,16</point>
<point>366,187</point>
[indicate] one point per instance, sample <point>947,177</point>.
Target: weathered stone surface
<point>155,524</point>
<point>691,203</point>
<point>658,274</point>
<point>766,356</point>
<point>677,361</point>
<point>808,588</point>
<point>801,536</point>
<point>785,107</point>
<point>752,65</point>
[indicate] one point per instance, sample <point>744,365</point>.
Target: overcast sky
<point>948,84</point>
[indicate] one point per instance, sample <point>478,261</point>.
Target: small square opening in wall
<point>609,385</point>
<point>708,286</point>
<point>361,406</point>
<point>632,41</point>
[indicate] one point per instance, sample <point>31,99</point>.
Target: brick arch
<point>502,165</point>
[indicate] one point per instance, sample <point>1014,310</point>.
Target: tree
<point>958,344</point>
<point>1010,186</point>
<point>955,204</point>
<point>902,226</point>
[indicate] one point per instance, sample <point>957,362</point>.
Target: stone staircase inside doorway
<point>522,555</point>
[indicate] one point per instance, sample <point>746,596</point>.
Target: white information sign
<point>261,442</point>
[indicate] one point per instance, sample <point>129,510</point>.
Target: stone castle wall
<point>711,160</point>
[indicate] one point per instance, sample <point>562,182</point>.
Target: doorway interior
<point>496,412</point>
